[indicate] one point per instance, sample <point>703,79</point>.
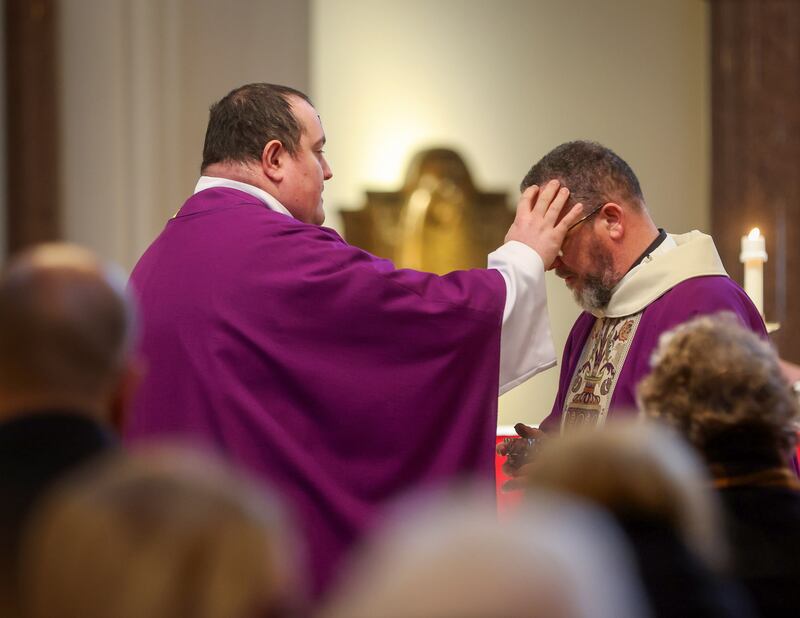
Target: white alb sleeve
<point>526,344</point>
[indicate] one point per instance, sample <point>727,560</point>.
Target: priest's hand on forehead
<point>539,223</point>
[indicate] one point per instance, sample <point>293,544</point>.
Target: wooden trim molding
<point>755,89</point>
<point>32,137</point>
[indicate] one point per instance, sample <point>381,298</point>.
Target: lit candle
<point>753,256</point>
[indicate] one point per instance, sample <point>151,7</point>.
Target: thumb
<point>524,431</point>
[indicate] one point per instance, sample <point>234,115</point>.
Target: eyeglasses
<point>582,219</point>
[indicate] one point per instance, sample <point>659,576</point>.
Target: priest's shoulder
<point>283,238</point>
<point>228,209</point>
<point>713,289</point>
<point>709,294</point>
<point>255,222</point>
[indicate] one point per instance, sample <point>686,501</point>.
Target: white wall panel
<point>504,82</point>
<point>137,79</point>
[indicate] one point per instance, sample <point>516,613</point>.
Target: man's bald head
<point>66,329</point>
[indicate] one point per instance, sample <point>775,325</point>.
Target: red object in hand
<point>506,501</point>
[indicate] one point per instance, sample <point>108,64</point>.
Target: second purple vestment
<point>339,380</point>
<point>690,298</point>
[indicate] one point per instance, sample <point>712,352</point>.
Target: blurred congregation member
<point>722,387</point>
<point>558,559</point>
<point>66,374</point>
<point>163,533</point>
<point>656,488</point>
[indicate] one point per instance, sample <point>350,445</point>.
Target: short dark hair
<point>245,119</point>
<point>593,173</point>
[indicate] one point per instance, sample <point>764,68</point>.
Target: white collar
<point>213,182</point>
<point>680,257</point>
<point>667,245</point>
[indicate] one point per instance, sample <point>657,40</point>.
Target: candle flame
<point>754,234</point>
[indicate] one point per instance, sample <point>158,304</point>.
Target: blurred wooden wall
<point>755,73</point>
<point>32,138</point>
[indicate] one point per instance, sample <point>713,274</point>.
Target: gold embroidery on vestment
<point>595,378</point>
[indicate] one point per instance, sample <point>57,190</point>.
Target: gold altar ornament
<point>437,222</point>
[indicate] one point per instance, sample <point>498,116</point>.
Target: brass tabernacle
<point>437,222</point>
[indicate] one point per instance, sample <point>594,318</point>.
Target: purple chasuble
<point>339,380</point>
<point>688,299</point>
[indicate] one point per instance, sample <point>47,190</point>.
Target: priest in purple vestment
<point>336,378</point>
<point>632,280</point>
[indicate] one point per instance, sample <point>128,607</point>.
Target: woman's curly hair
<point>712,377</point>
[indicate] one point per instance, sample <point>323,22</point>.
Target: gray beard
<point>597,289</point>
<point>595,294</point>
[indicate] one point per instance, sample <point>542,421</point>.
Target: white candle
<point>753,256</point>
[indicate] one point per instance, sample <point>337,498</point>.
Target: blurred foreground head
<point>66,334</point>
<point>558,559</point>
<point>158,534</point>
<point>721,386</point>
<point>654,485</point>
<point>642,474</point>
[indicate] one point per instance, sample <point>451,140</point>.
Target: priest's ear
<point>613,216</point>
<point>273,160</point>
